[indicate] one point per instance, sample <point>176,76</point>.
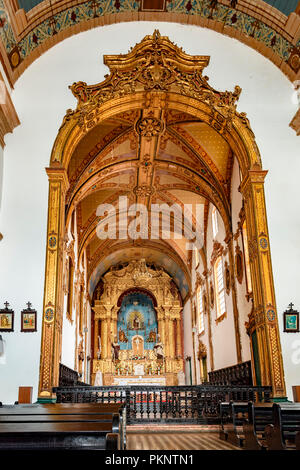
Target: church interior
<point>149,207</point>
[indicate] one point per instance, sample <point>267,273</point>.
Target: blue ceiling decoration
<point>285,6</point>
<point>28,4</point>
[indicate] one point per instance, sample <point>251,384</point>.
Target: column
<point>53,301</point>
<point>178,337</point>
<point>264,315</point>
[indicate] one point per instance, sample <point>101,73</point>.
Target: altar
<point>137,328</point>
<point>139,380</point>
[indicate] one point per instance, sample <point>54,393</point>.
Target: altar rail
<point>198,404</point>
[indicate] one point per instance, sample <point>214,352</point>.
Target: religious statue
<point>158,348</point>
<point>115,349</point>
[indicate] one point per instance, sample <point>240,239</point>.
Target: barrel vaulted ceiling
<point>106,165</point>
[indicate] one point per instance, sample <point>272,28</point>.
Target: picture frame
<point>291,320</point>
<point>28,319</point>
<point>6,319</point>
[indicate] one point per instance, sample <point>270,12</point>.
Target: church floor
<point>175,438</point>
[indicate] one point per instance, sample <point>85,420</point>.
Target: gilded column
<point>103,338</point>
<point>178,338</point>
<point>109,338</point>
<point>52,305</point>
<point>264,311</point>
<point>167,333</point>
<point>96,334</point>
<point>171,338</point>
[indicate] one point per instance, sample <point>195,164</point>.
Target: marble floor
<point>175,439</point>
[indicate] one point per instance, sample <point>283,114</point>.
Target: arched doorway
<point>141,127</point>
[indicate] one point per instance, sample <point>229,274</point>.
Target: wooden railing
<point>239,374</point>
<point>198,404</point>
<point>68,377</point>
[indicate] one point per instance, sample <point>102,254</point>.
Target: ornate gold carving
<point>154,77</point>
<point>239,264</point>
<point>144,190</point>
<point>227,278</point>
<point>138,275</point>
<point>149,127</point>
<point>212,295</point>
<point>202,350</point>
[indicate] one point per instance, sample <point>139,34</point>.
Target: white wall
<point>41,97</point>
<point>244,306</point>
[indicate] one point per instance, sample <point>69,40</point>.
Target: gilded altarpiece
<point>150,314</point>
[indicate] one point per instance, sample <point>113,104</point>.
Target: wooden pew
<point>73,408</point>
<point>232,416</point>
<point>65,424</point>
<point>283,433</point>
<point>58,436</point>
<point>259,416</point>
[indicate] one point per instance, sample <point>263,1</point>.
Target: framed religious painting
<point>28,319</point>
<point>291,320</point>
<point>6,319</point>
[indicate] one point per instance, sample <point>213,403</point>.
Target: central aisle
<point>171,440</point>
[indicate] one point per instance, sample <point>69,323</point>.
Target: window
<point>200,310</point>
<point>247,260</point>
<point>220,288</point>
<point>214,216</point>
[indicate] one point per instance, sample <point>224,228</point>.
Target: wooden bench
<point>259,416</point>
<point>71,426</point>
<point>284,432</point>
<point>232,415</point>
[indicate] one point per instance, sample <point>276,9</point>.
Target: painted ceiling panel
<point>28,4</point>
<point>285,6</point>
<point>216,147</point>
<point>89,204</point>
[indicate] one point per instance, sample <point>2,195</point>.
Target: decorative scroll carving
<point>155,64</point>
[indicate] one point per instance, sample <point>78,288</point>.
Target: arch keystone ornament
<point>155,78</point>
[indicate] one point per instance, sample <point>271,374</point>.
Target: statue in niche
<point>115,349</point>
<point>138,346</point>
<point>158,348</point>
<point>122,337</point>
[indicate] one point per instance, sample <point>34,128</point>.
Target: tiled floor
<point>175,439</point>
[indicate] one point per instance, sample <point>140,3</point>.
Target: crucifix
<point>291,305</point>
<point>29,305</point>
<point>6,305</point>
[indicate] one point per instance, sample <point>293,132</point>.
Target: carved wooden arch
<point>238,135</point>
<point>156,75</point>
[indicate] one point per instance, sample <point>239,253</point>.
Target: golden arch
<point>156,75</point>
